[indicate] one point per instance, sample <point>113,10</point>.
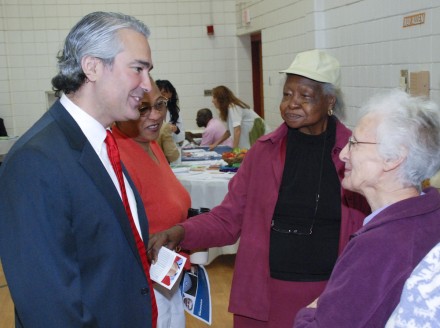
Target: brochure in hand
<point>167,268</point>
<point>196,293</point>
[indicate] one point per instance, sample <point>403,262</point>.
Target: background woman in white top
<point>243,124</point>
<point>173,118</point>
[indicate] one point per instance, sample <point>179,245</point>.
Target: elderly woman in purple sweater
<point>394,147</point>
<point>286,203</point>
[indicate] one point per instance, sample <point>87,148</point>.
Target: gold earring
<point>330,112</point>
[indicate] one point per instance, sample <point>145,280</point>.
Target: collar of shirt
<point>92,129</point>
<point>211,121</point>
<point>95,134</point>
<point>376,212</point>
<point>372,215</point>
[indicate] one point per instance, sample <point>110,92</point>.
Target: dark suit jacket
<point>66,245</point>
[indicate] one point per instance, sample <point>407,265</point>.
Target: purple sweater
<point>246,212</point>
<point>368,278</point>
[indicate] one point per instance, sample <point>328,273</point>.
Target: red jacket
<point>247,211</point>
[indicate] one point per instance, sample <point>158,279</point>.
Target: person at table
<point>394,147</point>
<point>173,118</point>
<point>285,203</point>
<point>214,129</point>
<point>244,126</point>
<point>167,144</point>
<point>66,240</point>
<point>165,200</point>
<point>419,306</point>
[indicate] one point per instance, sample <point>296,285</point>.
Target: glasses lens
<point>160,105</point>
<point>144,110</point>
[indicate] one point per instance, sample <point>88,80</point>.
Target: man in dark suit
<point>66,244</point>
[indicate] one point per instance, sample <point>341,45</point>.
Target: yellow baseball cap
<point>316,65</point>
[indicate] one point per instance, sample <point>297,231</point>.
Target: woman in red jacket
<point>285,203</point>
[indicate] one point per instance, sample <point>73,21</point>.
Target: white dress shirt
<point>96,134</point>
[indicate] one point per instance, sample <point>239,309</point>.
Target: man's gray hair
<point>96,35</point>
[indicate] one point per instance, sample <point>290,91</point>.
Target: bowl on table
<point>235,157</point>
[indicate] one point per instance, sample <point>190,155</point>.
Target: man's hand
<point>169,238</point>
<point>189,136</point>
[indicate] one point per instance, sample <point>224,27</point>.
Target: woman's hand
<point>169,238</point>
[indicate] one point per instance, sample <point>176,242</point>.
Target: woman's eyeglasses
<point>352,141</point>
<point>159,106</point>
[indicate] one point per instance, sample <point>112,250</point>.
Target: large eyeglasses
<point>159,106</point>
<point>352,141</point>
<point>294,231</point>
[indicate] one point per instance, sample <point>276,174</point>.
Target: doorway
<point>257,73</point>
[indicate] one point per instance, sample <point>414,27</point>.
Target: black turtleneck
<point>307,257</point>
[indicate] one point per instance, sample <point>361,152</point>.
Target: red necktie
<point>113,154</point>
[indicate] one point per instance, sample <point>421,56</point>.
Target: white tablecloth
<point>207,189</point>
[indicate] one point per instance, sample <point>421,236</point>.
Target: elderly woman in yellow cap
<point>285,203</point>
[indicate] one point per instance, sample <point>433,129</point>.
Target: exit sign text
<point>416,19</point>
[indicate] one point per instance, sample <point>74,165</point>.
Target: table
<point>5,144</point>
<point>207,188</point>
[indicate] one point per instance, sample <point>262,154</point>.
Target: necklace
<point>309,231</point>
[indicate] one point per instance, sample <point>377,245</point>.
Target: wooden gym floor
<point>220,277</point>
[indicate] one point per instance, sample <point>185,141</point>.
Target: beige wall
<point>32,32</point>
<point>365,35</point>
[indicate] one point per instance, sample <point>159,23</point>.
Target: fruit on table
<point>235,156</point>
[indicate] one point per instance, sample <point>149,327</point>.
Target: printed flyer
<point>167,268</point>
<point>196,293</point>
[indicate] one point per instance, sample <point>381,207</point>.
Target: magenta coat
<point>247,211</point>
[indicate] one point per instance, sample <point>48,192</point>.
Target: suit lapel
<point>143,221</point>
<point>92,164</point>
